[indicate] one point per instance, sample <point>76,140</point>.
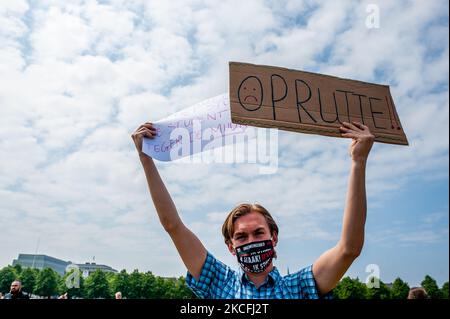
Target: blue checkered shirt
<point>218,281</point>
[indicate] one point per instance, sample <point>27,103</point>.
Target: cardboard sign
<point>306,102</point>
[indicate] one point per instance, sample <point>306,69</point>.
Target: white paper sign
<point>198,128</point>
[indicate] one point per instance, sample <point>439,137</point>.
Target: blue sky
<point>77,77</point>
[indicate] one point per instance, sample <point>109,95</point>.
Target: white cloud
<point>431,228</point>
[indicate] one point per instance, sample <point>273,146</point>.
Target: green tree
<point>143,285</point>
<point>7,276</point>
<point>381,292</point>
<point>28,278</point>
<point>183,291</point>
<point>121,282</point>
<point>18,269</point>
<point>431,287</point>
<point>135,282</point>
<point>177,288</point>
<point>47,283</point>
<point>349,288</point>
<point>170,288</point>
<point>444,290</point>
<point>148,286</point>
<point>160,288</point>
<point>400,289</point>
<point>97,286</point>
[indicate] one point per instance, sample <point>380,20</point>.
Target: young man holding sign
<point>251,235</point>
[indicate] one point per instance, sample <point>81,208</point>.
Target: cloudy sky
<point>76,77</point>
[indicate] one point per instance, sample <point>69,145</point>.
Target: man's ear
<point>231,248</point>
<point>275,239</point>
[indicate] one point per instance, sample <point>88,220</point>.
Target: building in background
<point>43,261</point>
<point>87,268</point>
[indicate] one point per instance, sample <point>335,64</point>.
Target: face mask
<point>256,256</point>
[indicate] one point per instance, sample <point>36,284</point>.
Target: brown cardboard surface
<point>306,102</point>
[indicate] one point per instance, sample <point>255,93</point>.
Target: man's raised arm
<point>190,248</point>
<point>332,265</point>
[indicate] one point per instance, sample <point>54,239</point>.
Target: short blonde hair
<point>417,293</point>
<point>244,209</point>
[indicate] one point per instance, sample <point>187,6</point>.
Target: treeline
<point>136,285</point>
<point>349,288</point>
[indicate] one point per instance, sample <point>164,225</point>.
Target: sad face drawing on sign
<point>250,93</point>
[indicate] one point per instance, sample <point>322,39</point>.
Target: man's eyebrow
<point>244,233</point>
<point>239,233</point>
